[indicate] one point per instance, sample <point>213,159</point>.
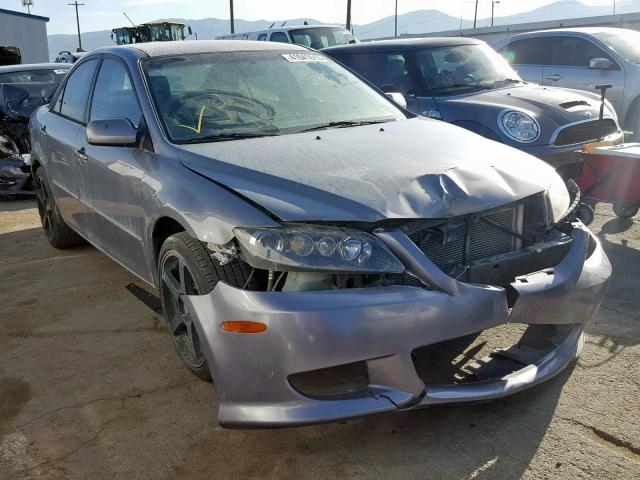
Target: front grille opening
<point>487,355</point>
<point>334,383</point>
<point>586,131</point>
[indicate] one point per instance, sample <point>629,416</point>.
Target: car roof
<point>404,44</point>
<point>34,66</point>
<point>583,30</point>
<point>183,47</point>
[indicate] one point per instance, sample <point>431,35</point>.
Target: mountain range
<point>419,21</point>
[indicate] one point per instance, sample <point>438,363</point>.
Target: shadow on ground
<point>74,361</point>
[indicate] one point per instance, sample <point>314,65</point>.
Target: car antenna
<point>306,23</point>
<point>125,14</point>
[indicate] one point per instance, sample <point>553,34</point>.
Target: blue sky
<point>106,14</point>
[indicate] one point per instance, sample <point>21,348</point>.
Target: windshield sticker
<point>198,128</point>
<point>305,57</point>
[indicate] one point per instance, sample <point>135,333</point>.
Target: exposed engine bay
<point>17,103</point>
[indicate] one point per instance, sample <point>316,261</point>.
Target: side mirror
<point>601,64</point>
<point>48,92</point>
<point>116,132</point>
<point>398,98</point>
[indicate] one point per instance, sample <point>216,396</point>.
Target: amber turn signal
<point>238,326</point>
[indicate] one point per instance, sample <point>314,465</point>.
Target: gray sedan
<point>311,242</point>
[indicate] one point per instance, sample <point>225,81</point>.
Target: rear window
<point>529,51</point>
<point>34,76</point>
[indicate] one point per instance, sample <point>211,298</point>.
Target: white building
<point>27,32</point>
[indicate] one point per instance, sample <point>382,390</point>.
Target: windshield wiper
<point>224,137</point>
<point>342,124</point>
<point>476,86</point>
<point>508,80</point>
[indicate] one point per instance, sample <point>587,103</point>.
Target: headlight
<point>519,126</point>
<point>558,200</point>
<point>295,248</point>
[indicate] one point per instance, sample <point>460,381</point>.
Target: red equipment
<point>612,174</point>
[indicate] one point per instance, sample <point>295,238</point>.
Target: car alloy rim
<point>177,280</point>
<point>44,206</point>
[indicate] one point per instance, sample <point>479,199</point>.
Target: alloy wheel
<point>177,281</point>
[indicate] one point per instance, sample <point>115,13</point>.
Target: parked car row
<point>465,82</point>
<point>312,240</point>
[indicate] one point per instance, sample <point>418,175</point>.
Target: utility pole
<point>493,3</point>
<point>614,7</point>
<point>475,16</point>
<point>396,22</point>
<point>233,28</point>
<point>348,26</point>
<point>76,4</point>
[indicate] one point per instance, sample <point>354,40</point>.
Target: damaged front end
<point>17,103</point>
<point>403,333</point>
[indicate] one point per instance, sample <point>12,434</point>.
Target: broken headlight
<point>306,248</point>
<point>557,199</point>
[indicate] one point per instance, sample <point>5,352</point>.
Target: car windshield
<point>323,37</point>
<point>625,42</point>
<point>225,96</point>
<point>34,76</point>
<point>450,69</point>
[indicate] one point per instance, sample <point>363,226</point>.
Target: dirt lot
<point>90,388</point>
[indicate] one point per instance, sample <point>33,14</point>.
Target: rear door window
<point>529,51</point>
<point>279,37</point>
<point>76,91</point>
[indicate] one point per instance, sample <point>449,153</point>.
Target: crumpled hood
<point>414,168</point>
<point>559,106</point>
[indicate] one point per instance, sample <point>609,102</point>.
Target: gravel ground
<point>91,388</point>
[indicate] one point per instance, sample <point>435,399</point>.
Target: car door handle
<point>82,154</point>
<point>555,77</point>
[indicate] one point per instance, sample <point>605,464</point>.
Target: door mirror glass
<point>116,132</point>
<point>600,64</point>
<point>48,92</point>
<point>398,98</point>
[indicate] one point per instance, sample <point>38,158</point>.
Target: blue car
<point>465,82</point>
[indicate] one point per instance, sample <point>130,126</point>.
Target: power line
<point>76,4</point>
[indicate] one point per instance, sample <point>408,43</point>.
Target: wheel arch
<point>479,128</point>
<point>163,228</point>
<point>634,108</point>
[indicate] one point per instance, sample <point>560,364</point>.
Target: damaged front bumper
<point>382,327</point>
<point>15,175</point>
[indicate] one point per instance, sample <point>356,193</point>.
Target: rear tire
<point>58,233</point>
<point>623,210</point>
<point>185,268</point>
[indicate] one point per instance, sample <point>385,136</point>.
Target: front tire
<point>185,268</point>
<point>58,233</point>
